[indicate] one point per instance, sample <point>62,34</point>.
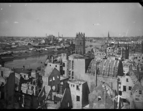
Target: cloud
<point>1,9</point>
<point>96,24</point>
<point>16,22</point>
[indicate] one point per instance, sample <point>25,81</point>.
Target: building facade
<point>79,92</point>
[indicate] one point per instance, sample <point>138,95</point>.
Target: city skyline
<point>67,19</point>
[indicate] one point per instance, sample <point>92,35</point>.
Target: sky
<point>67,19</point>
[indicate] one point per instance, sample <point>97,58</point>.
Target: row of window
<point>77,87</point>
<point>124,88</point>
<point>54,78</point>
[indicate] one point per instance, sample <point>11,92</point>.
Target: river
<point>30,62</point>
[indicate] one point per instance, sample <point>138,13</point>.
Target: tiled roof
<point>137,86</point>
<point>110,68</point>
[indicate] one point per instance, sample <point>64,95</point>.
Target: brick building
<point>80,43</point>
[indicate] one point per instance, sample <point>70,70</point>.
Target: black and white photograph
<point>71,55</point>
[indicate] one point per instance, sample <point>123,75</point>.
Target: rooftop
<point>77,81</point>
<point>63,77</point>
<point>22,70</point>
<point>110,68</point>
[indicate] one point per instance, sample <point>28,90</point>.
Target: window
<point>63,72</point>
<point>99,98</point>
<point>57,76</point>
<point>120,92</point>
<point>69,72</point>
<point>63,64</point>
<point>130,87</point>
<point>2,73</point>
<point>77,87</point>
<point>140,91</point>
<point>77,98</point>
<point>72,64</point>
<point>55,65</point>
<point>127,80</point>
<point>72,73</point>
<point>53,78</point>
<point>124,88</point>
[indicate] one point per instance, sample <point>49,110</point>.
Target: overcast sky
<point>94,19</point>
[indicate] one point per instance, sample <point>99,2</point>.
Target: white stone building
<point>125,85</point>
<point>78,93</point>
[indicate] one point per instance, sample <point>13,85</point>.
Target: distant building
<point>80,44</point>
<point>125,52</point>
<point>79,92</point>
<point>51,37</point>
<point>138,58</point>
<point>142,46</point>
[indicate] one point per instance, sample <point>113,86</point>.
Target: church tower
<point>80,43</point>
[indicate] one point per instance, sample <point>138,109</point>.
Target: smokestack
<point>58,34</point>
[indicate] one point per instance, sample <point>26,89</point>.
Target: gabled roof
<point>110,67</point>
<point>55,71</point>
